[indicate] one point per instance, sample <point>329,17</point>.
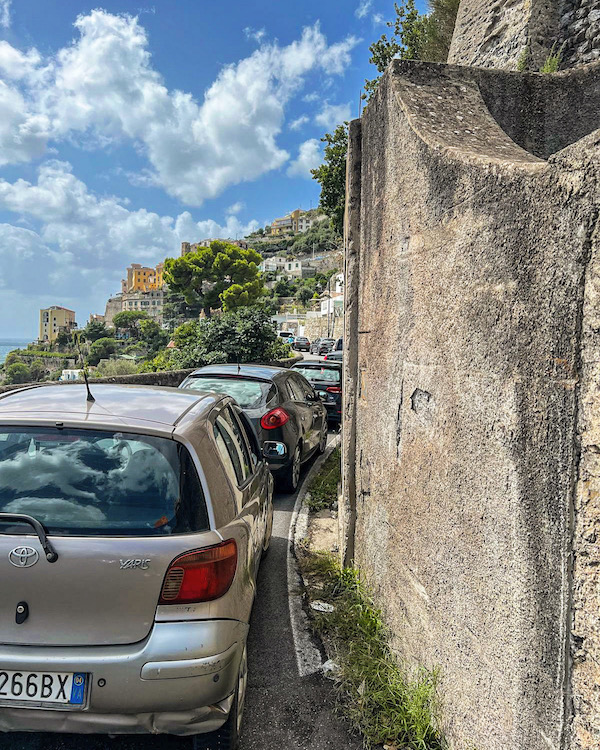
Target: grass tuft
<point>323,490</point>
<point>385,703</point>
<point>553,61</point>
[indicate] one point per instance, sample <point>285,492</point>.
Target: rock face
<point>472,398</point>
<point>496,34</point>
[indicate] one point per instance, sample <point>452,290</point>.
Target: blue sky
<point>127,129</point>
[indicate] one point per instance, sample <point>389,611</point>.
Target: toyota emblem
<point>23,557</point>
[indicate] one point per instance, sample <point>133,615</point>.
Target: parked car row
<point>133,520</point>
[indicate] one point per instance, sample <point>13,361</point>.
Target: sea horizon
<point>8,344</point>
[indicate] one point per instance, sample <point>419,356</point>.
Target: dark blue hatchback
<point>288,416</point>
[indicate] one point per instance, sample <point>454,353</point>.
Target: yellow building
<point>54,320</point>
<point>143,278</point>
<point>294,222</point>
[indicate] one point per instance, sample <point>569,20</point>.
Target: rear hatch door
<point>117,512</point>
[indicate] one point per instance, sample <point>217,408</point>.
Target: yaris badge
<point>23,557</point>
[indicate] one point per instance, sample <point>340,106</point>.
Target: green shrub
<point>17,373</point>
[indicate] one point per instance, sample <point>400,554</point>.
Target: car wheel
<point>228,736</point>
<point>323,439</point>
<point>292,477</point>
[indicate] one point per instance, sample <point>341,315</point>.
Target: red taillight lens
<point>200,576</point>
<point>274,418</point>
<point>334,389</point>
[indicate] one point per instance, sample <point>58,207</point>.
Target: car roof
<point>260,372</point>
<point>116,404</point>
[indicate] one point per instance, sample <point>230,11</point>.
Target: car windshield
<point>99,483</point>
<point>249,394</point>
<point>320,374</point>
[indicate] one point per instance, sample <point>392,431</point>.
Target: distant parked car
<point>322,346</point>
<point>339,345</point>
<point>132,529</point>
<point>301,344</point>
<point>288,416</point>
<point>326,379</point>
<point>334,356</point>
<point>286,335</point>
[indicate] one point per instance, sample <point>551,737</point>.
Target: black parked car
<point>322,346</point>
<point>335,356</point>
<point>289,418</point>
<point>326,379</point>
<point>301,344</point>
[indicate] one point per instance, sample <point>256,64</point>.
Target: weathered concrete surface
<point>471,389</point>
<point>494,33</point>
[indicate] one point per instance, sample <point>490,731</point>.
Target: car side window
<point>294,390</point>
<point>304,387</point>
<point>227,451</point>
<point>230,431</point>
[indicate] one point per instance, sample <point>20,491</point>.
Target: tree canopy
<point>331,175</point>
<point>220,276</point>
<point>95,330</point>
<point>415,36</point>
<point>130,321</point>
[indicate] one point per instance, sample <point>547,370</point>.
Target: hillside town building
<point>55,320</point>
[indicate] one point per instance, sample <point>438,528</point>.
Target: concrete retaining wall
<point>470,459</point>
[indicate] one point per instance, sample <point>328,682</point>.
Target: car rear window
<point>86,482</point>
<point>249,394</point>
<point>320,374</point>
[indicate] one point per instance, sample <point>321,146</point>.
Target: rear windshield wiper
<point>51,554</point>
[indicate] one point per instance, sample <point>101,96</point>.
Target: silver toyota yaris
<point>131,531</point>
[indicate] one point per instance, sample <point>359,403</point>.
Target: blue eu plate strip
<point>78,689</point>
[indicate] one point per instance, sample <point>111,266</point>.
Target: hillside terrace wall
<point>471,465</point>
<point>167,378</point>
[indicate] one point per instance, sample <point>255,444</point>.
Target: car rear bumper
<point>179,680</point>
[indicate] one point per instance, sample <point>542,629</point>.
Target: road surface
<point>283,710</point>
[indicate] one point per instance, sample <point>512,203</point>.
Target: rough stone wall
<point>471,280</point>
<point>494,34</point>
<point>579,31</point>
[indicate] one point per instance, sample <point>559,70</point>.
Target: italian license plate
<point>42,687</point>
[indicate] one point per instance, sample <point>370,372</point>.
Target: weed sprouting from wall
<point>553,61</point>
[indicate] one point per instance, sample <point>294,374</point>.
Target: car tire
<point>292,476</point>
<point>228,736</point>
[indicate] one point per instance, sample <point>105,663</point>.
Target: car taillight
<point>274,418</point>
<point>200,576</point>
<point>334,389</point>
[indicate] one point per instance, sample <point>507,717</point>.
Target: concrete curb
<point>309,658</point>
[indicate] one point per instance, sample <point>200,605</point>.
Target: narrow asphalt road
<point>283,710</point>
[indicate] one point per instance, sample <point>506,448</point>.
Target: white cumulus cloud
<point>363,8</point>
<point>332,115</point>
<point>235,208</point>
<point>103,89</point>
<point>299,122</point>
<point>5,13</point>
<point>309,157</point>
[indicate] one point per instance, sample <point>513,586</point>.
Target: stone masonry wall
<point>470,449</point>
<point>494,33</point>
<point>579,33</point>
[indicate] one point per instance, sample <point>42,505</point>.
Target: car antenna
<point>84,369</point>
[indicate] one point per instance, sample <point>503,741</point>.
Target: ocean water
<point>7,345</point>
